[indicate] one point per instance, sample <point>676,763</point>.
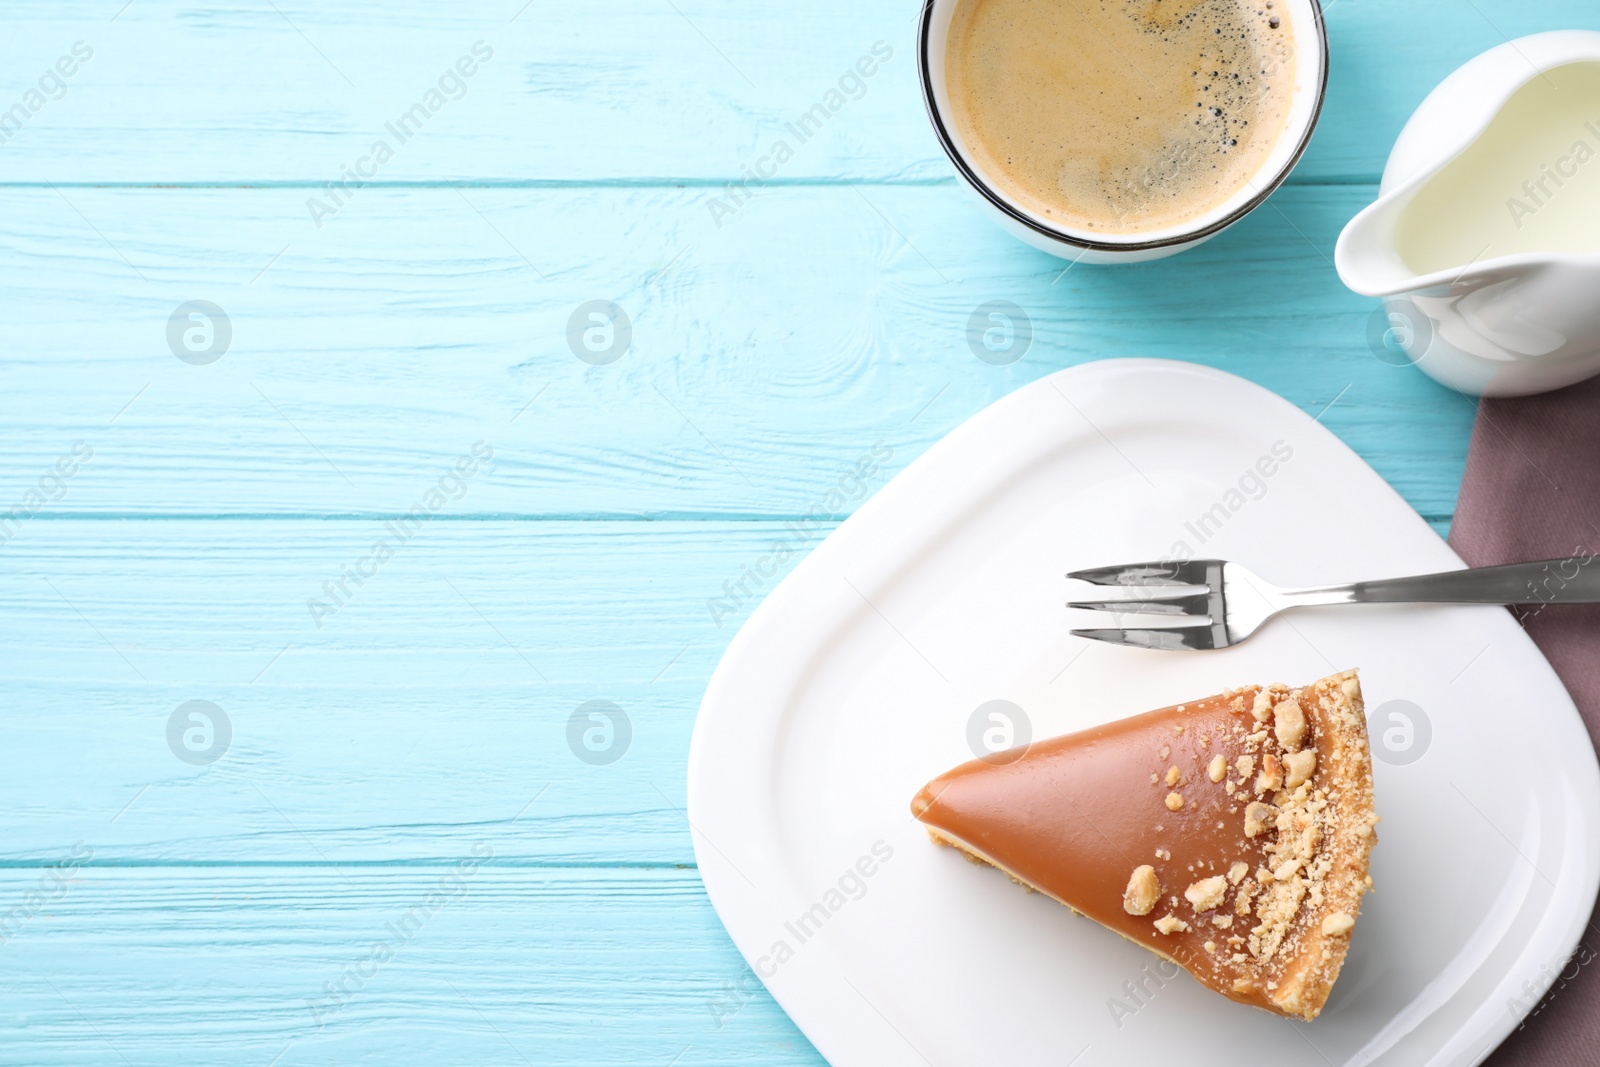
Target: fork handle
<point>1574,580</point>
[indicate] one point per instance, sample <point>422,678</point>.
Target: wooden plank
<point>172,966</point>
<point>430,712</point>
<point>432,704</point>
<point>576,93</point>
<point>391,721</point>
<point>612,89</point>
<point>766,357</point>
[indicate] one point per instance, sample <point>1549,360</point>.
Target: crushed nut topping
<point>1258,819</point>
<point>1207,893</point>
<point>1262,708</point>
<point>1169,924</point>
<point>1173,774</point>
<point>1246,766</point>
<point>1237,872</point>
<point>1143,891</point>
<point>1338,924</point>
<point>1305,809</point>
<point>1289,723</point>
<point>1174,801</point>
<point>1241,905</point>
<point>1301,766</point>
<point>1271,777</point>
<point>1217,770</point>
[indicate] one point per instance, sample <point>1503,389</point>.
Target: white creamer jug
<point>1485,240</point>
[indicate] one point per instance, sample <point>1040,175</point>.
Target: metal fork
<point>1210,603</point>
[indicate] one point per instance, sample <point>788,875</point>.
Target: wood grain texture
<point>431,705</point>
<point>171,966</point>
<point>767,355</point>
<point>376,338</point>
<point>605,91</point>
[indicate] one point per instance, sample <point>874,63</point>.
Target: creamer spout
<point>1368,255</point>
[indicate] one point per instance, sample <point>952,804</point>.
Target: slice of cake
<point>1230,835</point>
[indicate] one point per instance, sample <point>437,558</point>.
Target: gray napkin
<point>1532,491</point>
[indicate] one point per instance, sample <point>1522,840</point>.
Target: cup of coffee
<point>1109,131</point>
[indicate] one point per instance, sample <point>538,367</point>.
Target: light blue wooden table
<point>398,857</point>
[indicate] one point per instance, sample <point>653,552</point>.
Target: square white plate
<point>855,682</point>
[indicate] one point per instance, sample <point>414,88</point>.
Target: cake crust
<point>1349,830</point>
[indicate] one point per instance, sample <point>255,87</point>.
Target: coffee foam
<point>1119,116</point>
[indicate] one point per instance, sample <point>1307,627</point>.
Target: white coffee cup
<point>1311,82</point>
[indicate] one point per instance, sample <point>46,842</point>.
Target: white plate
<point>855,681</point>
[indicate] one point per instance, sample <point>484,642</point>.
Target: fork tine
<point>1166,639</point>
<point>1158,572</point>
<point>1180,603</point>
<point>1141,594</point>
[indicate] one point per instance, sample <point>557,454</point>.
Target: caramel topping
<point>1070,815</point>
